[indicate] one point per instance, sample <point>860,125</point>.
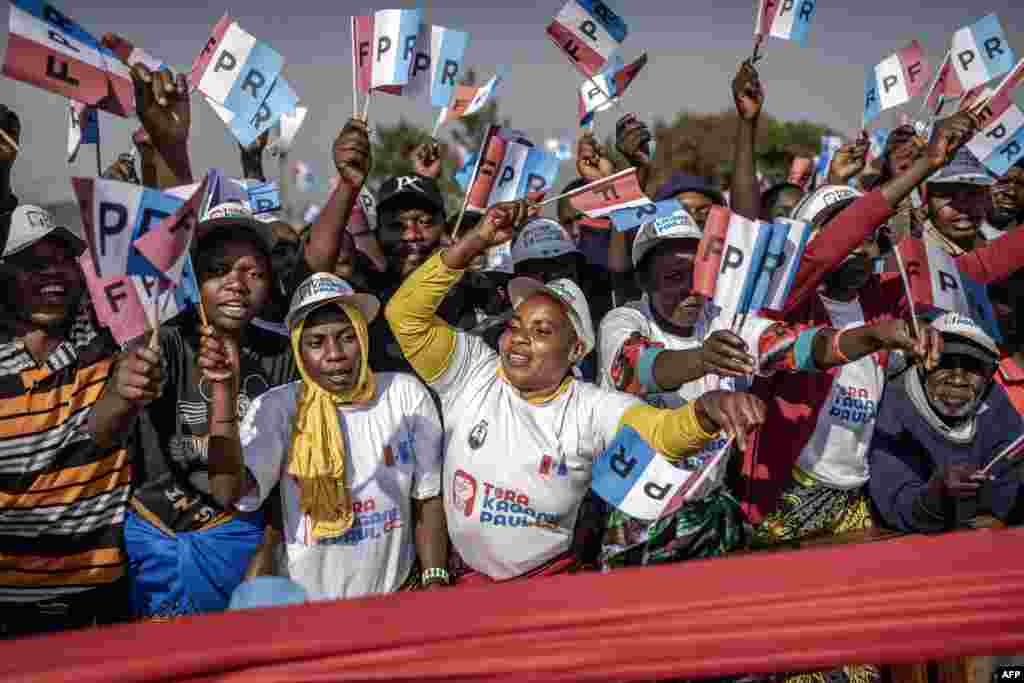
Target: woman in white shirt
<point>521,434</point>
<point>357,454</point>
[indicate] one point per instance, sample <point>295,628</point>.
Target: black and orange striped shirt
<point>62,498</point>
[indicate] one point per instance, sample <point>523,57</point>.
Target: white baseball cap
<point>522,288</point>
<point>678,226</point>
<point>542,238</point>
<point>957,325</point>
<point>821,199</point>
<point>320,289</point>
<point>29,224</point>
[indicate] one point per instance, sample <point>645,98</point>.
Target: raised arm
<point>352,158</point>
<point>162,104</point>
<point>425,339</point>
<point>252,158</point>
<point>748,95</point>
<point>996,260</point>
<point>134,383</point>
<point>857,222</point>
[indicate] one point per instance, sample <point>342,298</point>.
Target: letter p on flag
<point>634,477</point>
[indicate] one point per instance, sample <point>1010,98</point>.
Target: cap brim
<point>522,288</point>
<point>978,179</point>
<point>421,198</point>
<point>645,247</point>
<point>368,305</point>
<point>74,242</point>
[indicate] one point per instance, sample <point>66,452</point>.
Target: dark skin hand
<point>427,158</point>
<point>162,104</point>
<point>252,157</point>
<point>725,353</point>
<point>748,97</point>
<point>352,153</point>
<point>849,160</point>
<point>735,413</point>
<point>591,161</point>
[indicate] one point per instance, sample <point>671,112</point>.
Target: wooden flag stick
<point>585,188</point>
<point>9,140</point>
<point>906,287</point>
<point>935,82</point>
<point>756,57</point>
<point>366,107</point>
<point>355,83</point>
<point>1013,447</point>
<point>154,339</point>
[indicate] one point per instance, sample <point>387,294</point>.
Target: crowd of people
<point>416,408</point>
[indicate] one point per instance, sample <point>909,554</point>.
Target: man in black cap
<point>411,226</point>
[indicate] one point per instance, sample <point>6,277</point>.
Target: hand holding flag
<point>163,107</point>
<point>747,91</point>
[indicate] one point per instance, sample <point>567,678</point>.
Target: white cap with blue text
<point>542,238</point>
<point>678,226</point>
<point>324,288</point>
<point>522,288</point>
<point>959,325</point>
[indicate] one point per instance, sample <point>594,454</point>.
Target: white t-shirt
<point>837,451</point>
<point>636,317</point>
<point>515,473</point>
<point>393,455</point>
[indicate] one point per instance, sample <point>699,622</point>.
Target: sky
<point>694,49</point>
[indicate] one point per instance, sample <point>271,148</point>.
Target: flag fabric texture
<point>588,32</point>
<point>895,80</point>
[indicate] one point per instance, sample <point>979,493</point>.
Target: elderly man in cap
<point>63,495</point>
<point>936,434</point>
<point>357,454</point>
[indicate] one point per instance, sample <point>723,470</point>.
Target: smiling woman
<point>521,434</point>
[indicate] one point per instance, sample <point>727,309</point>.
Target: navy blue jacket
<point>906,450</point>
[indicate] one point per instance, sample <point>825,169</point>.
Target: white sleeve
<point>616,328</point>
<point>470,356</point>
<point>422,420</point>
<point>266,433</point>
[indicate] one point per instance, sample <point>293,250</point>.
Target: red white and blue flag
<point>599,93</point>
<point>83,127</point>
<point>490,161</point>
<point>635,478</point>
<point>608,195</point>
<point>895,80</point>
<point>49,50</point>
<point>980,53</point>
<point>589,33</point>
<point>1000,142</point>
<point>730,258</point>
<point>786,19</point>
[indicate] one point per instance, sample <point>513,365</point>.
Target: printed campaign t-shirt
<point>635,322</point>
<point>171,436</point>
<point>836,453</point>
<point>515,473</point>
<point>393,455</point>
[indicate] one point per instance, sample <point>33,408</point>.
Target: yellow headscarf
<point>318,446</point>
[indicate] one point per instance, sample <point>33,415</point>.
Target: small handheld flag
<point>786,19</point>
<point>608,195</point>
<point>894,80</point>
<point>588,32</point>
<point>981,52</point>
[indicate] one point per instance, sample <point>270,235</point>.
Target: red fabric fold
<point>904,600</point>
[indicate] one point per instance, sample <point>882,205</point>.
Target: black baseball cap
<point>409,191</point>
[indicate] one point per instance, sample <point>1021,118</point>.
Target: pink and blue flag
<point>395,34</point>
<point>438,64</point>
<point>786,19</point>
<point>774,257</point>
<point>589,33</point>
<point>895,80</point>
<point>83,127</point>
<point>981,52</point>
<point>539,172</point>
<point>601,92</point>
<point>166,247</point>
<point>617,192</point>
<point>830,144</point>
<point>628,219</point>
<point>797,235</point>
<point>237,71</point>
<point>465,171</point>
<point>730,259</point>
<point>49,50</point>
<point>1000,142</point>
<point>635,478</point>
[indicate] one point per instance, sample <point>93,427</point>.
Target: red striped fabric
<point>904,600</point>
